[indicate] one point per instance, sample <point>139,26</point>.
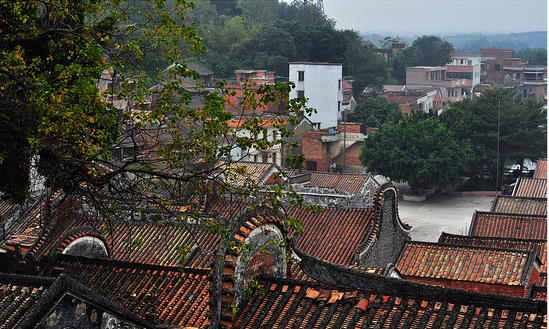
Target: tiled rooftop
<point>541,169</point>
<point>509,225</point>
<point>465,263</point>
<point>250,173</point>
<point>333,234</point>
<point>293,304</point>
<point>348,183</point>
<point>520,205</point>
<point>537,246</point>
<point>166,294</point>
<point>532,187</point>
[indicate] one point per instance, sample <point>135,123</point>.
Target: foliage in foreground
<point>139,144</point>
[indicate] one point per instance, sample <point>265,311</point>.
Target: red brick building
<point>323,149</point>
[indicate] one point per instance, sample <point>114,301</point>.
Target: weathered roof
<point>348,183</point>
<point>250,173</point>
<point>532,187</point>
<point>519,205</point>
<point>541,169</point>
<point>465,263</point>
<point>333,234</point>
<point>509,225</point>
<point>291,304</point>
<point>25,301</point>
<point>537,246</point>
<point>166,294</point>
<point>355,299</point>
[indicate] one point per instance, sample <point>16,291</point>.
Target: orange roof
<point>509,225</point>
<point>465,263</point>
<point>532,187</point>
<point>541,169</point>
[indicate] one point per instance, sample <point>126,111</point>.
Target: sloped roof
<point>519,205</point>
<point>333,234</point>
<point>294,304</point>
<point>27,300</point>
<point>541,169</point>
<point>509,225</point>
<point>537,246</point>
<point>348,183</point>
<point>465,263</point>
<point>250,173</point>
<point>532,187</point>
<point>169,294</point>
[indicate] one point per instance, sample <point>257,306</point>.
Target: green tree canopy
<point>375,111</point>
<point>522,126</point>
<point>418,149</point>
<point>430,50</point>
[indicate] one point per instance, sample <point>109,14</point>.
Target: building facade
<point>321,84</point>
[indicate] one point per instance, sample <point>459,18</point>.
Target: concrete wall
<point>322,87</point>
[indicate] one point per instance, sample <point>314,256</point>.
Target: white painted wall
<point>322,87</point>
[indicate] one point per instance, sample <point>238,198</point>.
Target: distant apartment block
<point>500,68</point>
<point>321,84</point>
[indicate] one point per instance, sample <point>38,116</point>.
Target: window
<point>275,137</point>
<point>301,93</point>
<point>525,93</point>
<point>300,75</point>
<point>497,67</point>
<point>265,158</point>
<point>469,62</point>
<point>327,147</point>
<point>274,157</point>
<point>488,66</point>
<point>449,93</point>
<point>255,158</point>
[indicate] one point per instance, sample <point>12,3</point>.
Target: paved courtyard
<point>440,212</point>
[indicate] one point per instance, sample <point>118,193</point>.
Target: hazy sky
<point>412,17</point>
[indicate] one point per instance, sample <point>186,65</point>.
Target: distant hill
<point>471,43</point>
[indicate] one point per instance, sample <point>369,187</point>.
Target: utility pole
<point>497,152</point>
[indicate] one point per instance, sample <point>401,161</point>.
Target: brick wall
<point>315,150</point>
<point>260,263</point>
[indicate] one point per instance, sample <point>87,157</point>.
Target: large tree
<point>418,149</point>
<point>432,51</point>
<point>375,111</point>
<point>137,145</point>
<point>500,122</point>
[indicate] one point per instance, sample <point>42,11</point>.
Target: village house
<point>322,85</point>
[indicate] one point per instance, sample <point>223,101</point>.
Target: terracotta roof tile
<point>169,294</point>
<point>464,263</point>
<point>333,234</point>
<point>541,169</point>
<point>520,205</point>
<point>509,225</point>
<point>537,246</point>
<point>292,308</point>
<point>347,183</point>
<point>531,187</point>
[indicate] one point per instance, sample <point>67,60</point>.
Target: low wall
<point>474,193</point>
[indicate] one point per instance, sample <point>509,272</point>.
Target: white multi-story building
<point>320,83</point>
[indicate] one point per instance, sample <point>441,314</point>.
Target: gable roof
<point>27,300</point>
<point>508,225</point>
<point>537,246</point>
<point>541,169</point>
<point>532,187</point>
<point>168,294</point>
<point>465,263</point>
<point>250,173</point>
<point>519,205</point>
